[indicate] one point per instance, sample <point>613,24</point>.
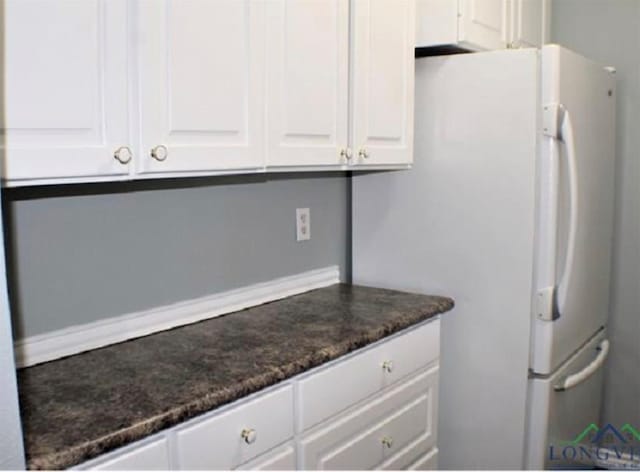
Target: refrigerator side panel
<point>461,223</point>
<point>576,261</point>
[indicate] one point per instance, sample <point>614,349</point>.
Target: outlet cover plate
<point>303,224</point>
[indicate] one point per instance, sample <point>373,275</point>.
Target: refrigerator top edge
<point>554,58</point>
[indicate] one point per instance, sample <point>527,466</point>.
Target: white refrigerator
<point>509,210</point>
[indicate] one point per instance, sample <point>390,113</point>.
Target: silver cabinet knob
<point>249,435</point>
<point>123,155</point>
<point>160,152</point>
<point>363,153</point>
<point>346,154</point>
<point>387,441</point>
<point>387,366</point>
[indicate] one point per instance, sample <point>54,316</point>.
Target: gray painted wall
<point>78,254</point>
<point>609,32</point>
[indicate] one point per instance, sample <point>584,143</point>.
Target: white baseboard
<point>65,342</point>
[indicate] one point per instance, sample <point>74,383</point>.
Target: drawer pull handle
<point>387,366</point>
<point>123,155</point>
<point>249,435</point>
<point>160,152</point>
<point>346,154</point>
<point>387,441</point>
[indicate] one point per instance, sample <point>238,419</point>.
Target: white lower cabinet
<point>149,454</point>
<point>228,439</point>
<point>368,436</point>
<point>281,458</point>
<point>328,391</point>
<point>427,462</point>
<point>375,408</point>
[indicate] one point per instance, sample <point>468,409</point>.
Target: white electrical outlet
<point>303,224</point>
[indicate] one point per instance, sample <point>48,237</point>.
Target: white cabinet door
<point>385,426</point>
<point>243,432</point>
<point>428,462</point>
<point>201,85</point>
<point>351,380</point>
<point>483,23</point>
<point>530,23</point>
<point>308,82</point>
<point>383,78</point>
<point>436,22</point>
<point>281,458</point>
<point>64,103</point>
<point>149,454</point>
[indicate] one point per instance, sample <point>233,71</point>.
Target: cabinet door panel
<point>529,25</point>
<point>153,456</point>
<point>428,462</point>
<point>483,23</point>
<point>351,380</point>
<point>436,22</point>
<point>282,458</point>
<point>148,454</point>
<point>308,81</point>
<point>65,89</point>
<point>383,81</point>
<point>201,84</point>
<point>367,437</point>
<point>216,442</point>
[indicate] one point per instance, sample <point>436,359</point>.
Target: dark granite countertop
<point>76,408</point>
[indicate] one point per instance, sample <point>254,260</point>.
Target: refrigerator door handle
<point>567,136</point>
<point>579,377</point>
<point>557,125</point>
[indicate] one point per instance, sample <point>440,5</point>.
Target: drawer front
<point>347,382</point>
<point>411,454</point>
<point>153,455</point>
<point>217,442</point>
<point>282,458</point>
<point>428,462</point>
<point>368,436</point>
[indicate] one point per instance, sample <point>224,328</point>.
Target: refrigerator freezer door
<point>557,416</point>
<point>575,220</point>
<point>461,223</point>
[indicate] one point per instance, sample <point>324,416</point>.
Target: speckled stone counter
<point>76,408</point>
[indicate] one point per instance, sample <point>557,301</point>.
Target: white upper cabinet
<point>530,23</point>
<point>482,24</point>
<point>436,22</point>
<point>64,98</point>
<point>98,90</point>
<point>308,82</point>
<point>201,85</point>
<point>383,81</point>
